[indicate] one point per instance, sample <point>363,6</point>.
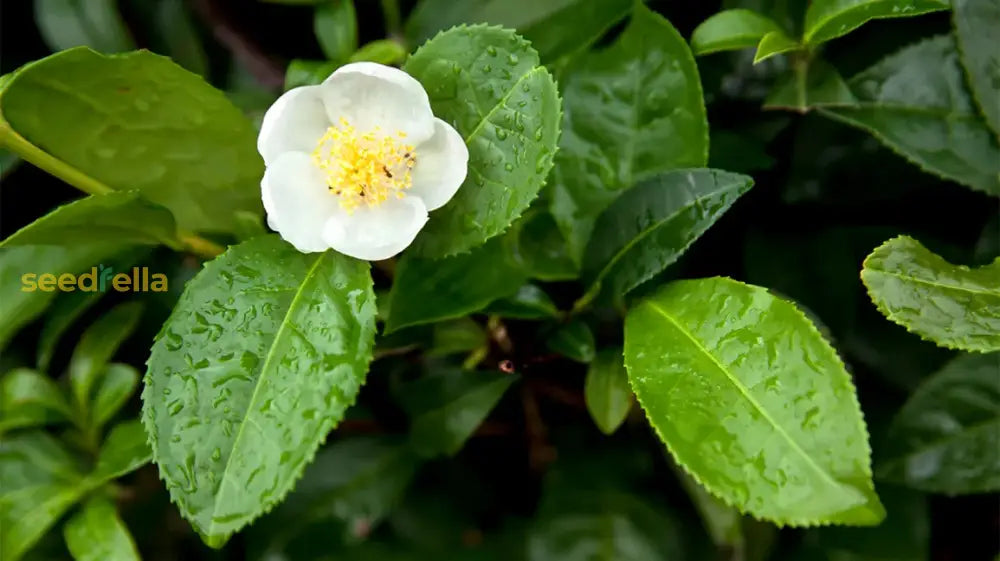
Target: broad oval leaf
<point>632,111</point>
<point>653,224</point>
<point>916,103</point>
<point>829,19</point>
<point>263,354</point>
<point>731,30</point>
<point>538,246</point>
<point>952,305</point>
<point>944,439</point>
<point>65,24</point>
<point>606,390</point>
<point>426,290</point>
<point>96,533</point>
<point>752,402</point>
<point>976,24</point>
<point>150,125</point>
<point>487,82</point>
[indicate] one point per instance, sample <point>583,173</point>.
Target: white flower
<point>355,163</point>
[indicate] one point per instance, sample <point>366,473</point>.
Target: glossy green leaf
<point>731,30</point>
<point>95,533</point>
<point>538,246</point>
<point>447,407</point>
<point>574,340</point>
<point>124,451</point>
<point>752,402</point>
<point>457,336</point>
<point>529,302</point>
<point>488,84</point>
<point>829,19</point>
<point>65,24</point>
<point>821,85</point>
<point>336,28</point>
<point>916,103</point>
<point>66,309</point>
<point>775,43</point>
<point>150,126</point>
<point>96,347</point>
<point>606,390</point>
<point>426,290</point>
<point>556,28</point>
<point>976,24</point>
<point>382,51</point>
<point>121,218</point>
<point>176,32</point>
<point>29,399</point>
<point>308,72</point>
<point>944,440</point>
<point>116,385</point>
<point>632,111</point>
<point>653,224</point>
<point>263,354</point>
<point>951,305</point>
<point>40,483</point>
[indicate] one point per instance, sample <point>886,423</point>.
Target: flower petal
<point>372,95</point>
<point>442,164</point>
<point>297,201</point>
<point>376,233</point>
<point>294,123</point>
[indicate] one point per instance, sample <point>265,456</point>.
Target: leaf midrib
<point>746,394</point>
<point>918,280</point>
<point>502,102</point>
<point>253,398</point>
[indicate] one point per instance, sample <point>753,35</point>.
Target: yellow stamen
<point>364,168</point>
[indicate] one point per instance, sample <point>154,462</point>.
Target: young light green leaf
<point>151,126</point>
<point>821,85</point>
<point>529,302</point>
<point>633,110</point>
<point>66,309</point>
<point>97,534</point>
<point>606,390</point>
<point>916,103</point>
<point>574,341</point>
<point>40,483</point>
<point>829,19</point>
<point>774,43</point>
<point>447,407</point>
<point>976,22</point>
<point>124,451</point>
<point>382,51</point>
<point>308,72</point>
<point>115,387</point>
<point>30,399</point>
<point>96,347</point>
<point>336,27</point>
<point>652,225</point>
<point>752,402</point>
<point>944,439</point>
<point>538,246</point>
<point>951,305</point>
<point>487,82</point>
<point>263,354</point>
<point>731,30</point>
<point>113,218</point>
<point>425,290</point>
<point>65,24</point>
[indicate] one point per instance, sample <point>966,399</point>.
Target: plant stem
<point>393,19</point>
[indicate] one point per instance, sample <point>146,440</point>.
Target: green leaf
<point>336,27</point>
<point>114,218</point>
<point>65,24</point>
<point>752,402</point>
<point>829,19</point>
<point>382,51</point>
<point>722,521</point>
<point>176,32</point>
<point>29,399</point>
<point>944,439</point>
<point>811,84</point>
<point>731,30</point>
<point>447,407</point>
<point>150,126</point>
<point>904,536</point>
<point>66,309</point>
<point>115,387</point>
<point>425,290</point>
<point>951,305</point>
<point>633,110</point>
<point>124,451</point>
<point>606,390</point>
<point>458,336</point>
<point>308,72</point>
<point>488,84</point>
<point>574,341</point>
<point>529,302</point>
<point>538,246</point>
<point>653,224</point>
<point>97,534</point>
<point>775,43</point>
<point>264,352</point>
<point>96,347</point>
<point>976,22</point>
<point>916,103</point>
<point>40,483</point>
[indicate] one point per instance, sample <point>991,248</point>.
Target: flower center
<point>364,168</point>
